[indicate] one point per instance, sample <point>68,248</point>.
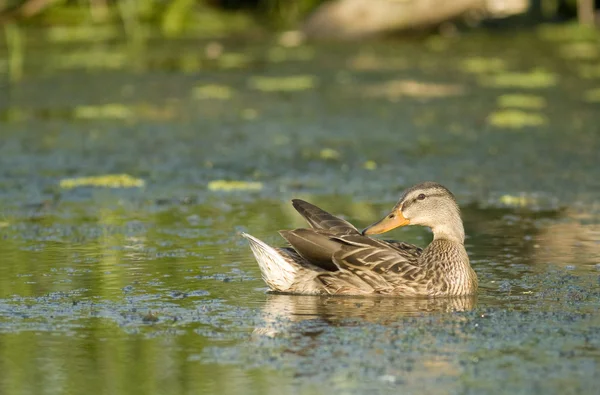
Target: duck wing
<point>317,246</point>
<point>353,263</point>
<point>405,248</point>
<point>355,257</point>
<point>372,266</point>
<point>321,219</point>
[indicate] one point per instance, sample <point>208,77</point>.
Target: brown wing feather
<point>348,260</point>
<point>408,251</point>
<point>382,269</point>
<point>321,219</point>
<point>316,246</point>
<point>405,248</point>
<point>344,283</point>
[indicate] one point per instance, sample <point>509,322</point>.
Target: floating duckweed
<point>535,79</point>
<point>98,59</point>
<point>370,61</point>
<point>213,91</point>
<point>566,32</point>
<point>292,38</point>
<point>105,181</point>
<point>479,65</point>
<point>580,50</point>
<point>395,89</point>
<point>283,84</point>
<point>109,111</point>
<point>589,71</point>
<point>515,119</point>
<point>520,201</point>
<point>232,185</point>
<point>233,60</point>
<point>521,101</point>
<point>437,43</point>
<point>82,32</point>
<point>249,114</point>
<point>370,165</point>
<point>592,95</point>
<point>279,54</point>
<point>189,62</point>
<point>329,153</point>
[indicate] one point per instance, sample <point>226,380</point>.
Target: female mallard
<point>334,258</point>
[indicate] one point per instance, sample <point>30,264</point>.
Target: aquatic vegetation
<point>438,43</point>
<point>213,91</point>
<point>518,200</point>
<point>396,89</point>
<point>592,95</point>
<point>108,111</point>
<point>231,60</point>
<point>580,50</point>
<point>535,79</point>
<point>566,32</point>
<point>283,84</point>
<point>370,61</point>
<point>329,154</point>
<point>16,51</point>
<point>516,119</point>
<point>589,71</point>
<point>521,101</point>
<point>370,165</point>
<point>103,181</point>
<point>281,54</point>
<point>81,33</point>
<point>234,185</point>
<point>93,59</point>
<point>481,65</point>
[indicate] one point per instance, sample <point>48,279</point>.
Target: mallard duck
<point>335,258</point>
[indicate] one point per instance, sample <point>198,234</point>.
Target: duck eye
<point>421,196</point>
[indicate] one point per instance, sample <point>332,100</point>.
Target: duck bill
<point>393,220</point>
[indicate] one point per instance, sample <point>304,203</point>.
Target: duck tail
<point>278,270</point>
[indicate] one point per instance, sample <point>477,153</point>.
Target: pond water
<point>150,289</point>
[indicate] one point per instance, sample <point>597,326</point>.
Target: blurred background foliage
<point>176,17</point>
<point>172,16</point>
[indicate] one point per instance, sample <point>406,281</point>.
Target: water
<point>150,289</point>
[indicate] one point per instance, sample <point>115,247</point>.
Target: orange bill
<point>393,220</point>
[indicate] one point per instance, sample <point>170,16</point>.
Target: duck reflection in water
<point>282,311</point>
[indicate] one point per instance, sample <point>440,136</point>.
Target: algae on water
<point>103,181</point>
<point>234,185</point>
<point>515,119</point>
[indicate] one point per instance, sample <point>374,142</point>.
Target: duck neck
<point>451,230</point>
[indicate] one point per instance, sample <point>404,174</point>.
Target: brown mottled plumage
<point>334,258</point>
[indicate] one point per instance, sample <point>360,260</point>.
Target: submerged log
<point>358,18</point>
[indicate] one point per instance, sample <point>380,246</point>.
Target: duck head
<point>427,204</point>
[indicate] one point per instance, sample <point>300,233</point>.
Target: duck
<point>333,257</point>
